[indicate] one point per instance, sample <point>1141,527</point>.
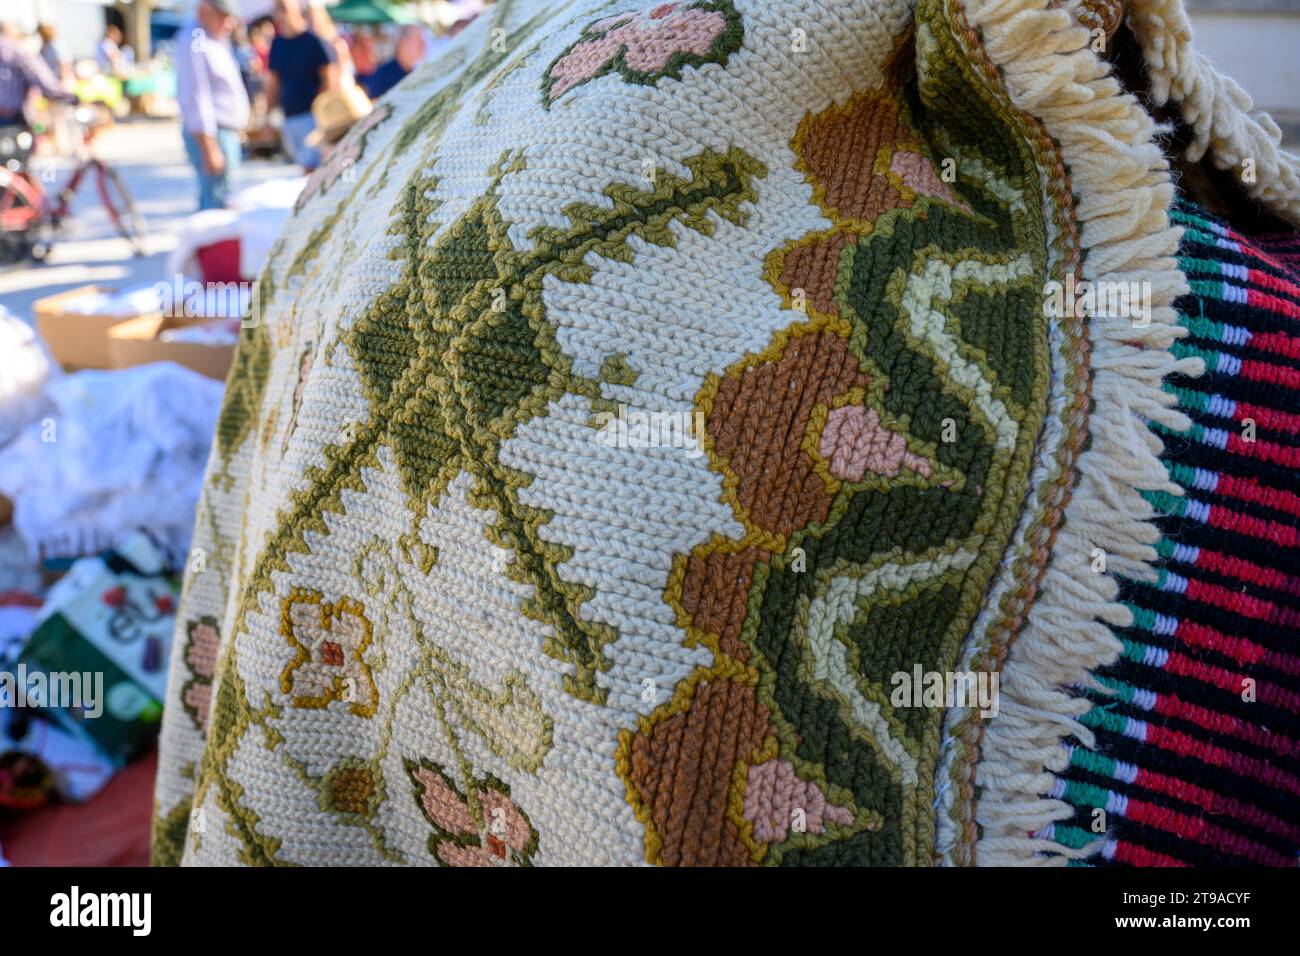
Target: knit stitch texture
<point>632,398</point>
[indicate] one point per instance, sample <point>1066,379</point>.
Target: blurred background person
<point>21,72</point>
<point>406,57</point>
<point>112,57</point>
<point>322,24</point>
<point>213,101</point>
<point>52,52</point>
<point>302,65</point>
<point>250,64</point>
<point>361,46</point>
<point>60,64</point>
<point>260,34</point>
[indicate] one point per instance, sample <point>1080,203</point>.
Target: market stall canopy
<point>371,11</point>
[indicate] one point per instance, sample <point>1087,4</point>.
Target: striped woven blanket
<point>730,433</point>
<point>1197,755</point>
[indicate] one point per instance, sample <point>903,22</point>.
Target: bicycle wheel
<point>119,205</point>
<point>20,210</point>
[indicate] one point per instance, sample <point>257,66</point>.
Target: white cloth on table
<point>123,450</point>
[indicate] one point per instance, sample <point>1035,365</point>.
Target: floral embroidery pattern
<point>840,537</point>
<point>483,827</point>
<point>854,442</point>
<point>869,538</point>
<point>863,160</point>
<point>449,317</point>
<point>202,643</point>
<point>776,800</point>
<point>331,641</point>
<point>352,789</point>
<point>647,45</point>
<point>506,717</point>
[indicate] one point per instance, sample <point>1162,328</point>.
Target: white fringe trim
<point>1215,108</point>
<point>1123,191</point>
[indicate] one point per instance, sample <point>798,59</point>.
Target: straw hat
<point>335,111</point>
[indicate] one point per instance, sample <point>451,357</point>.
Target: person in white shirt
<point>112,58</point>
<point>213,102</point>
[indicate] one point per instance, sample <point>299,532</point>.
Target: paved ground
<point>151,159</point>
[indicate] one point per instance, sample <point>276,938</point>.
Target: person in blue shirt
<point>302,65</point>
<point>406,57</point>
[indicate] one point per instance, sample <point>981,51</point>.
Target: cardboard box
<point>77,339</point>
<point>136,342</point>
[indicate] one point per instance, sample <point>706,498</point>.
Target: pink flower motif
<point>917,173</point>
<point>645,45</point>
<point>201,649</point>
<point>776,799</point>
<point>507,836</point>
<point>198,697</point>
<point>854,442</point>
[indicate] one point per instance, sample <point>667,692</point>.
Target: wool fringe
<point>1216,110</point>
<point>1123,191</point>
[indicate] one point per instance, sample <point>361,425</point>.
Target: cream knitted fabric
<point>645,404</point>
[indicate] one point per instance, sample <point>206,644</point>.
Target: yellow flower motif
<point>331,642</point>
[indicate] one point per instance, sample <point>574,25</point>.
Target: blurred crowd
<point>292,81</point>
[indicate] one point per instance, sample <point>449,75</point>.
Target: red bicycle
<point>31,220</point>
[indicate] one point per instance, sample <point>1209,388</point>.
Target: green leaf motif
<point>458,353</point>
<point>240,410</point>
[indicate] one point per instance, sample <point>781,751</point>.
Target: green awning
<point>371,11</point>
